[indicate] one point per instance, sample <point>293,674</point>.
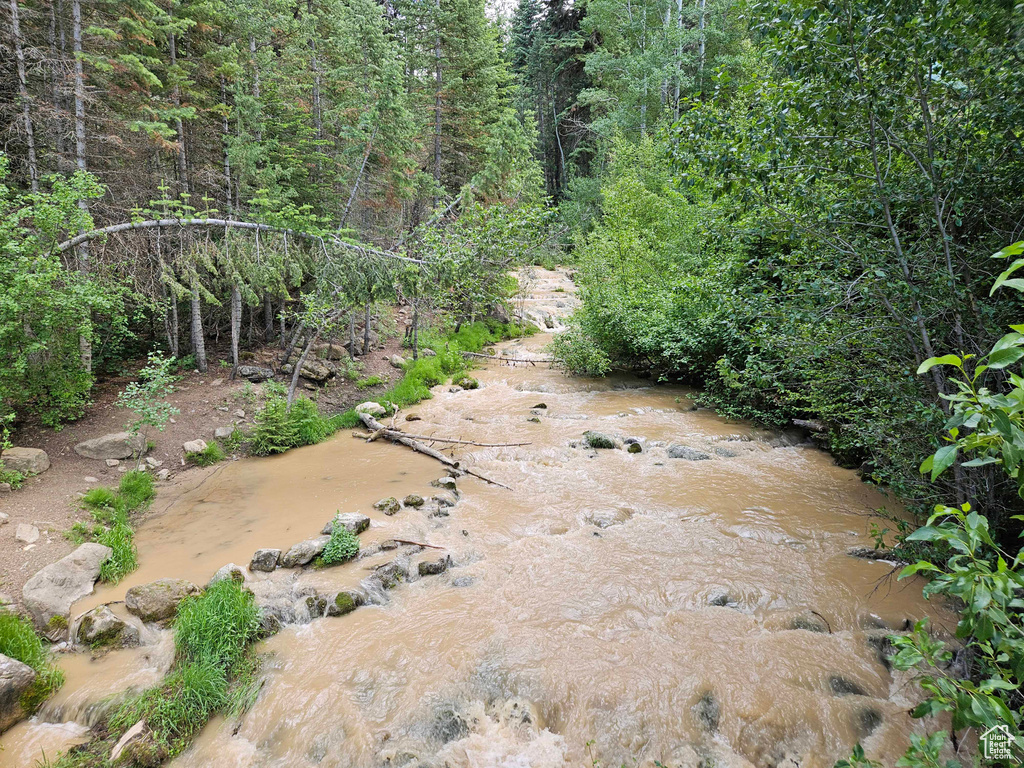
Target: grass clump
<point>212,635</point>
<point>19,641</point>
<point>110,512</point>
<point>342,546</point>
<point>370,381</point>
<point>210,455</point>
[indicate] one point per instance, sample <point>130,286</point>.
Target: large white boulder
<point>116,445</point>
<point>28,461</point>
<point>49,594</point>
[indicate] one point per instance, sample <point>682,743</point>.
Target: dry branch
<point>397,436</point>
<point>510,359</point>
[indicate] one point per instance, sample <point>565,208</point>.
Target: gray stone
<point>344,602</point>
<point>314,370</point>
<point>635,448</point>
<point>444,500</point>
<point>101,627</point>
<point>372,408</point>
<point>434,567</point>
<point>5,488</point>
<point>707,712</point>
<point>304,552</point>
<point>116,445</point>
<point>392,574</point>
<point>48,595</point>
<point>599,440</point>
<point>153,463</point>
<point>687,453</point>
<point>113,463</point>
<point>388,506</point>
<point>28,461</point>
<point>163,474</point>
<point>397,361</point>
<point>91,479</point>
<point>840,686</point>
<point>330,351</point>
<point>354,522</point>
<point>238,413</point>
<point>254,373</point>
<point>413,500</point>
<point>158,601</point>
<point>448,483</point>
<point>230,571</point>
<point>223,433</point>
<point>265,560</point>
<point>726,453</point>
<point>428,352</point>
<point>4,518</point>
<point>194,446</point>
<point>26,534</point>
<point>15,679</point>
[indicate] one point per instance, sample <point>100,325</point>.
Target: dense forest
<point>793,205</point>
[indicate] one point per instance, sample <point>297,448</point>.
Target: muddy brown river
<point>616,607</point>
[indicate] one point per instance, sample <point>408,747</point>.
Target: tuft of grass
<point>136,489</point>
<point>124,557</point>
<point>216,626</point>
<point>99,498</point>
<point>18,640</point>
<point>370,381</point>
<point>342,546</point>
<point>234,442</point>
<point>207,457</point>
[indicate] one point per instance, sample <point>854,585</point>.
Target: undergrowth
<point>110,511</point>
<point>342,546</point>
<point>19,641</point>
<point>210,455</point>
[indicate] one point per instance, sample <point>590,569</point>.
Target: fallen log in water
<point>504,359</point>
<point>398,436</point>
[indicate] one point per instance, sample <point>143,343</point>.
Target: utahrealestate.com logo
<point>997,743</point>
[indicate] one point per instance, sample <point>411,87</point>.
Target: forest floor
<point>50,501</point>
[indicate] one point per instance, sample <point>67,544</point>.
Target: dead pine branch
<point>397,436</point>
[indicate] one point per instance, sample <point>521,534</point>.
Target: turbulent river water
<point>620,607</point>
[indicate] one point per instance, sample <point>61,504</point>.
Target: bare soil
<point>50,501</point>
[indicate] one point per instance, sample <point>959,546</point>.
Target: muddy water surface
<point>624,607</point>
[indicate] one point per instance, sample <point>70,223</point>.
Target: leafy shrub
<point>12,478</point>
<point>207,457</point>
<point>19,641</point>
<point>310,427</point>
<point>234,441</point>
<point>342,546</point>
<point>273,431</point>
<point>579,354</point>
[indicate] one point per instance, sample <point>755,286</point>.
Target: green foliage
<point>210,455</point>
<point>19,641</point>
<point>216,627</point>
<point>112,527</point>
<point>146,398</point>
<point>278,428</point>
<point>342,546</point>
<point>579,354</point>
<point>370,381</point>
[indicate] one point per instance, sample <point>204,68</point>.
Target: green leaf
<point>943,459</point>
<point>931,362</point>
<point>1000,358</point>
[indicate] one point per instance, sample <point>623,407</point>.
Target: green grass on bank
<point>214,671</point>
<point>110,511</point>
<point>19,641</point>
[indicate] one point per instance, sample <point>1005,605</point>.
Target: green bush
<point>310,427</point>
<point>273,431</point>
<point>207,457</point>
<point>19,641</point>
<point>343,546</point>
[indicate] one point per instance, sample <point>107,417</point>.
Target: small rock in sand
<point>27,534</point>
<point>194,446</point>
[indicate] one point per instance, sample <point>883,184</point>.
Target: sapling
<point>146,398</point>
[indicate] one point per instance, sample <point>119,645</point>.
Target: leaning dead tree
<point>398,436</point>
<point>229,224</point>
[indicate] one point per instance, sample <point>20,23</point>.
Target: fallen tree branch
<point>397,436</point>
<point>418,544</point>
<point>812,426</point>
<point>429,439</point>
<point>510,359</point>
<point>226,224</point>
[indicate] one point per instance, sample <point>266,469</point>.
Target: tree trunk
<point>236,324</point>
<point>352,334</point>
<point>225,128</point>
<point>26,103</point>
<point>198,340</point>
<point>366,330</point>
<point>256,87</point>
<point>359,177</point>
<point>182,166</point>
<point>268,318</point>
<point>281,320</point>
<point>437,108</point>
<point>416,329</point>
<point>290,347</point>
<point>84,339</point>
<point>298,366</point>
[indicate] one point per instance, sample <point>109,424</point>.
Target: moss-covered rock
<point>598,440</point>
<point>388,506</point>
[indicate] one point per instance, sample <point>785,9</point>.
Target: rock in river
<point>598,440</point>
<point>101,627</point>
<point>15,679</point>
<point>158,601</point>
<point>687,453</point>
<point>304,552</point>
<point>354,522</point>
<point>116,445</point>
<point>49,594</point>
<point>388,506</point>
<point>265,560</point>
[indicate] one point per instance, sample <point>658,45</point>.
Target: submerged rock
<point>101,627</point>
<point>344,602</point>
<point>392,574</point>
<point>809,623</point>
<point>15,680</point>
<point>635,448</point>
<point>447,483</point>
<point>434,567</point>
<point>158,601</point>
<point>265,560</point>
<point>841,686</point>
<point>707,712</point>
<point>467,382</point>
<point>388,506</point>
<point>49,594</point>
<point>687,453</point>
<point>598,440</point>
<point>413,500</point>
